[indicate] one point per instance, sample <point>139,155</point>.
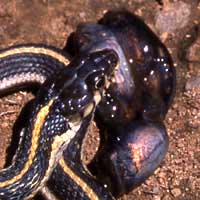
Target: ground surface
<point>176,23</point>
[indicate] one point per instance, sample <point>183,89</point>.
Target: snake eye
<point>100,83</point>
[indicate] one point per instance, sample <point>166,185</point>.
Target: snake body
<point>58,112</point>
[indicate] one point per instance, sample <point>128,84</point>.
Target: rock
<point>166,197</point>
<point>192,83</point>
<point>173,17</point>
<point>193,53</point>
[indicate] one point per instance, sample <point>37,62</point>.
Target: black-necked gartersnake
<point>63,108</point>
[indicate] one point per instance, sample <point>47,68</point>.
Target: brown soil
<point>51,22</point>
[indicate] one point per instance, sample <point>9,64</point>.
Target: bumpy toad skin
<point>145,83</point>
<point>133,139</point>
<point>129,155</point>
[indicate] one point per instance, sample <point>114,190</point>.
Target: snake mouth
<point>111,79</point>
<point>97,97</point>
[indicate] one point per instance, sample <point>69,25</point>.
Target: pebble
<point>155,190</point>
<point>192,83</point>
<point>176,192</point>
<point>4,125</point>
<point>173,17</point>
<point>82,14</point>
<point>166,197</point>
<point>138,1</point>
<point>156,197</point>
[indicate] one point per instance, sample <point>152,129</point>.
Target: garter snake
<point>58,112</point>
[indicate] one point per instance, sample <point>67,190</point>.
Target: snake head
<point>79,87</point>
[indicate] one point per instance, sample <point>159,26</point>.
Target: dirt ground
<point>177,23</point>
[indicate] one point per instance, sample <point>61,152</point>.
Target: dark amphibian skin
<point>57,113</point>
<point>145,82</point>
<point>130,155</point>
<point>135,104</point>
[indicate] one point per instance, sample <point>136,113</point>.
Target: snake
<point>129,115</point>
<point>63,105</point>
